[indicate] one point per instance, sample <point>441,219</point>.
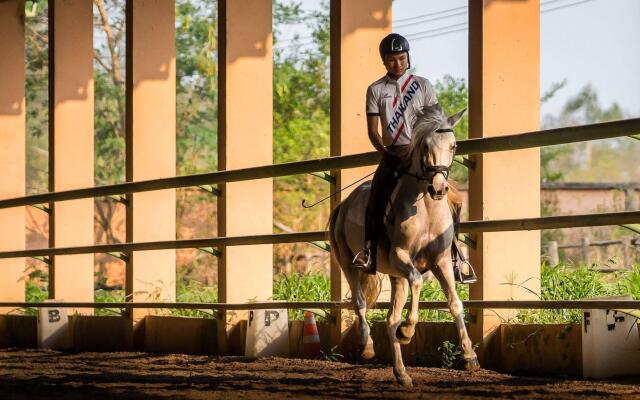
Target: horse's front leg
<point>403,263</point>
<point>444,273</point>
<point>399,292</point>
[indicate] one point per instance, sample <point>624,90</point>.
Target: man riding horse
<point>394,100</point>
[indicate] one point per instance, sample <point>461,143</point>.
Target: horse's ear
<point>455,118</point>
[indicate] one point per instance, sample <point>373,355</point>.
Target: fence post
<point>245,139</point>
<point>552,250</point>
<point>150,151</point>
<point>628,198</point>
<point>627,253</point>
<point>586,257</point>
<point>357,26</point>
<point>71,147</point>
<point>12,146</point>
<point>504,97</point>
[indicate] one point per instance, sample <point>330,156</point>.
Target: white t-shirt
<point>396,102</point>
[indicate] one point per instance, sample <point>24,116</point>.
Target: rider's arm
<point>373,116</point>
<point>372,130</point>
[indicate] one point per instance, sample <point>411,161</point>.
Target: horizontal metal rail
<point>472,146</point>
<point>172,244</point>
<point>479,304</point>
<point>602,243</point>
<point>557,222</point>
<point>567,221</point>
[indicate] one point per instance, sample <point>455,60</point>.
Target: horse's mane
<point>429,119</point>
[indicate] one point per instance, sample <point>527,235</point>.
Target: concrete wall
<point>530,349</point>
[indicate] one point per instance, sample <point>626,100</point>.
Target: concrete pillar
<point>151,148</point>
<point>504,98</point>
<point>12,146</point>
<point>71,146</point>
<point>245,139</point>
<point>357,26</point>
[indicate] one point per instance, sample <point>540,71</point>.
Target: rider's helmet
<point>394,43</point>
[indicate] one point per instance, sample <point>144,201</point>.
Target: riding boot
<point>463,272</point>
<point>382,185</point>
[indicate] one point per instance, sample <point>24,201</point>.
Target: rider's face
<point>396,64</point>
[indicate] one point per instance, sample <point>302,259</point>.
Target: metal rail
<point>602,243</point>
<point>472,146</point>
<point>478,304</point>
<point>566,221</point>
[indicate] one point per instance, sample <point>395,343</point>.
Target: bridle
<point>430,171</point>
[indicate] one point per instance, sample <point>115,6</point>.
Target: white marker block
<point>610,343</point>
<point>53,328</point>
<point>267,333</point>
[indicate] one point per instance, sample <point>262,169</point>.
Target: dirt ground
<point>34,374</point>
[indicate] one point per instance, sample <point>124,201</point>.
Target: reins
<point>430,169</point>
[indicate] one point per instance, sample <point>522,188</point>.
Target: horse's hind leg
<point>366,344</point>
<point>399,291</point>
<point>354,278</point>
<point>444,273</point>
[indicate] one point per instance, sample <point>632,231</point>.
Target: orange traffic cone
<point>310,337</point>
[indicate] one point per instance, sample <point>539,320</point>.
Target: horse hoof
<point>404,380</point>
<point>472,364</point>
<point>367,352</point>
<point>404,333</point>
<point>407,330</point>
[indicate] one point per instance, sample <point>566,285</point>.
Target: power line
<point>437,31</point>
<point>439,34</point>
<point>565,6</point>
<point>417,34</point>
<point>402,20</point>
<point>429,20</point>
<point>447,29</point>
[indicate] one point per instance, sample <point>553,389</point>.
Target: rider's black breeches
<point>384,181</point>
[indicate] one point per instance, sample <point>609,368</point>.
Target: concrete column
<point>151,147</point>
<point>12,146</point>
<point>504,98</point>
<point>71,146</point>
<point>245,139</point>
<point>357,26</point>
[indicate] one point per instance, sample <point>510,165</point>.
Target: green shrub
<point>190,291</point>
<point>34,293</point>
<point>301,287</point>
<point>108,296</point>
<point>563,282</point>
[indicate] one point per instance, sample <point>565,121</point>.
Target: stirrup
<point>464,278</point>
<point>362,260</point>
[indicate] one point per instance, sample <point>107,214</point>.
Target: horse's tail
<point>453,197</point>
<point>333,218</point>
<point>371,286</point>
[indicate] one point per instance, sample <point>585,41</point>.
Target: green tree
<point>300,121</point>
<point>604,160</point>
<point>453,95</point>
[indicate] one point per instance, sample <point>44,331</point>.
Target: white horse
<point>418,239</point>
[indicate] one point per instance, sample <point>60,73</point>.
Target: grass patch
<point>564,282</point>
<point>301,287</point>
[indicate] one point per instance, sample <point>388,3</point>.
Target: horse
<point>419,233</point>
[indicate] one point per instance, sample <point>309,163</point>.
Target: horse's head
<point>433,146</point>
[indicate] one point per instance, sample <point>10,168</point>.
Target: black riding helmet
<point>394,43</point>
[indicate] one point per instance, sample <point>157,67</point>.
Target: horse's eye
<point>454,146</point>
